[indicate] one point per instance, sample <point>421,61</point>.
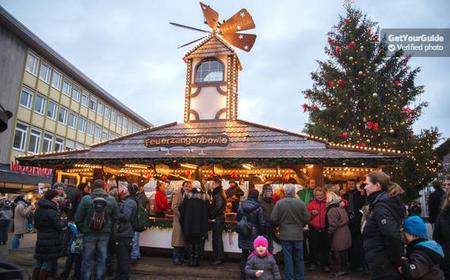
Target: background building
<point>55,107</point>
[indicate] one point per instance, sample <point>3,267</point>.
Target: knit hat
<point>414,225</point>
<point>133,189</point>
<point>289,190</point>
<point>266,188</point>
<point>260,241</point>
<point>196,186</point>
<point>253,193</point>
<point>50,194</point>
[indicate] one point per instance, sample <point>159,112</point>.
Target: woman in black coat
<point>49,228</point>
<point>194,222</point>
<point>250,208</point>
<point>382,240</point>
<point>442,235</point>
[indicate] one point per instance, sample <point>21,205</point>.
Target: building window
<point>105,134</point>
<point>26,97</point>
<point>119,120</point>
<point>44,72</point>
<point>107,112</point>
<point>66,88</point>
<point>62,115</point>
<point>84,100</point>
<point>81,124</point>
<point>47,144</point>
<point>35,141</point>
<point>76,94</point>
<point>113,116</point>
<point>124,122</point>
<point>39,104</point>
<point>90,128</point>
<point>20,137</point>
<point>100,109</point>
<point>72,120</point>
<point>56,80</point>
<point>59,144</point>
<point>70,145</point>
<point>93,104</point>
<point>210,70</point>
<point>79,146</point>
<point>130,128</point>
<point>32,64</point>
<point>51,109</point>
<point>98,132</point>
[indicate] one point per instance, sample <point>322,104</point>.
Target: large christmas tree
<point>362,96</point>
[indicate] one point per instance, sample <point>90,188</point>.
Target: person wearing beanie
<point>48,241</point>
<point>267,204</point>
<point>234,194</point>
<point>261,264</point>
<point>423,256</point>
<point>22,212</point>
<point>251,210</point>
<point>291,216</point>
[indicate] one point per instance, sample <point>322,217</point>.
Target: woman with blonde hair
<point>382,239</point>
<point>442,231</point>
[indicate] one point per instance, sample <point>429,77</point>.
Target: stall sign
<point>185,141</point>
<point>31,170</point>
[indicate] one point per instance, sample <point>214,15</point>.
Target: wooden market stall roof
<point>245,141</point>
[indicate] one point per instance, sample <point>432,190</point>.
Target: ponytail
<point>393,189</point>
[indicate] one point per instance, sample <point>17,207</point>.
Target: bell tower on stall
<point>211,91</point>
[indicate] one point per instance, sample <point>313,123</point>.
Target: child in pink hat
<point>261,264</point>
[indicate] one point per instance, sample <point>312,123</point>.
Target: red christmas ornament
<point>233,175</point>
<point>330,84</point>
<point>405,61</point>
<point>361,145</point>
<point>188,173</point>
<point>305,107</point>
<point>411,135</point>
<point>313,107</point>
<point>397,83</point>
<point>347,20</point>
<point>351,45</point>
<point>330,41</point>
<point>164,178</point>
<point>338,50</point>
<point>344,135</point>
<point>341,82</point>
<point>369,29</point>
<point>372,125</point>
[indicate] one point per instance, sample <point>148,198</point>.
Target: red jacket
<point>318,221</point>
<point>160,202</point>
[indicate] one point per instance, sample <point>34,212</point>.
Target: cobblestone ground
<point>162,264</point>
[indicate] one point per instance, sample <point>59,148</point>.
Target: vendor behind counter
<point>234,194</point>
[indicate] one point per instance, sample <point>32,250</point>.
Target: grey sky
<point>129,49</point>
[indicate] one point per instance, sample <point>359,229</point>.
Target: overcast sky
<point>129,49</point>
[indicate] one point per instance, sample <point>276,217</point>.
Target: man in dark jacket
<point>291,216</point>
<point>234,194</point>
<point>441,234</point>
<point>95,242</point>
<point>125,231</point>
<point>217,214</point>
<point>382,241</point>
<point>355,203</point>
<point>195,230</point>
<point>255,216</point>
<point>435,201</point>
<point>267,204</point>
<point>49,229</point>
<point>74,195</point>
<point>423,256</point>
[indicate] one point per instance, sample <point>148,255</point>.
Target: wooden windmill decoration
<point>229,30</point>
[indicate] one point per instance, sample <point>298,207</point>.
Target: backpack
<point>140,220</point>
<point>98,219</point>
<point>244,226</point>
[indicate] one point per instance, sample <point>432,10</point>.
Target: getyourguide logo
<point>31,170</point>
<point>419,38</point>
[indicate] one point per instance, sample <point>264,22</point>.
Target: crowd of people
<point>363,227</point>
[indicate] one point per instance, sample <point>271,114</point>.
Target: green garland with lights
<point>167,225</point>
<point>362,96</point>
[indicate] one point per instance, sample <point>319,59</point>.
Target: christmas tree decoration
<point>376,98</point>
<point>330,84</point>
<point>330,41</point>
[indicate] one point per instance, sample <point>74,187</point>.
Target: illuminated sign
<point>31,170</point>
<point>185,141</point>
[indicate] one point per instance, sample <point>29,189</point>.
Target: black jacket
<point>267,206</point>
<point>49,229</point>
<point>127,210</point>
<point>218,204</point>
<point>255,216</point>
<point>442,235</point>
<point>382,241</point>
<point>435,204</point>
<point>423,259</point>
<point>355,202</point>
<point>74,195</point>
<point>194,205</point>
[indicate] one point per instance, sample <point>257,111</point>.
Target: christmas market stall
<point>213,142</point>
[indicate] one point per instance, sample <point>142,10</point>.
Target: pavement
<point>154,267</point>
